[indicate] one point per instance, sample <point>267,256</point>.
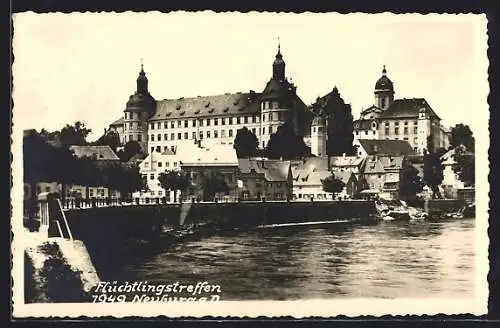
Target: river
<point>384,259</point>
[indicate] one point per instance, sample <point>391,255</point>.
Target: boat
<point>468,211</point>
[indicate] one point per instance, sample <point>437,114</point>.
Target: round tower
<point>140,107</point>
<point>276,101</point>
<point>318,136</point>
<point>384,91</point>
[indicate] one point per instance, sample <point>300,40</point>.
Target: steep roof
<point>212,156</point>
<point>344,176</point>
<point>313,178</point>
<point>342,161</point>
<point>373,165</point>
<point>207,106</point>
<point>276,89</point>
<point>392,162</point>
<point>118,122</point>
<point>408,108</point>
<point>386,147</point>
<point>309,164</point>
<point>102,153</point>
<point>370,109</point>
<point>333,98</point>
<point>273,170</point>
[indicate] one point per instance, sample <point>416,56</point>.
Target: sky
<point>83,66</point>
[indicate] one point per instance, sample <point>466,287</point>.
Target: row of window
<point>165,148</point>
<point>100,192</point>
<point>397,131</point>
<point>270,105</point>
<point>193,175</point>
<point>160,164</point>
<point>278,116</point>
<point>137,116</point>
<point>132,137</point>
<point>366,132</point>
<point>320,129</point>
<point>203,134</point>
<point>132,125</point>
<point>396,123</point>
<point>204,122</point>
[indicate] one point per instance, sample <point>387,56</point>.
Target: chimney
<point>374,148</point>
<point>251,96</point>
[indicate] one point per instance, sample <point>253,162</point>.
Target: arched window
<point>382,102</point>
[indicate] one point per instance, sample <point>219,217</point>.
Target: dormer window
<point>178,107</point>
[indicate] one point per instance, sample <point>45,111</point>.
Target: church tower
<point>318,136</point>
<point>140,107</point>
<point>384,91</point>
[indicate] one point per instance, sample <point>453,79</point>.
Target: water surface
<point>386,259</point>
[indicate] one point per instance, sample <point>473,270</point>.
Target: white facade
<point>424,131</point>
<point>151,167</point>
<point>367,132</point>
<point>318,137</point>
<point>167,134</point>
<point>272,116</point>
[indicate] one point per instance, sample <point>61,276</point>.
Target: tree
<point>174,180</point>
<point>126,179</point>
<point>286,144</point>
<point>36,168</point>
<point>465,166</point>
<point>212,184</point>
<point>410,183</point>
<point>130,149</point>
<point>333,185</point>
<point>245,143</point>
<point>88,174</point>
<point>111,139</point>
<point>74,134</point>
<point>433,172</point>
<point>462,135</point>
<point>340,124</point>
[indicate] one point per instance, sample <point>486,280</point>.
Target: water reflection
<point>389,259</point>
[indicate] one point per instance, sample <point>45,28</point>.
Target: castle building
<point>160,125</point>
<point>412,120</point>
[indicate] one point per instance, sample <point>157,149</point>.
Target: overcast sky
<point>71,67</point>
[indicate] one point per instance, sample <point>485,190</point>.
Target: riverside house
<point>150,168</point>
<point>452,186</point>
<point>102,156</point>
<point>264,178</point>
<point>382,174</point>
<point>200,162</point>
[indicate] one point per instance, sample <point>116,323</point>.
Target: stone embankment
<point>57,270</point>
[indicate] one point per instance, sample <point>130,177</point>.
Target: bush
<point>62,283</point>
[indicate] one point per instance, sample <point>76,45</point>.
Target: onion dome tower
<point>384,91</point>
<point>277,101</point>
<point>140,107</point>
